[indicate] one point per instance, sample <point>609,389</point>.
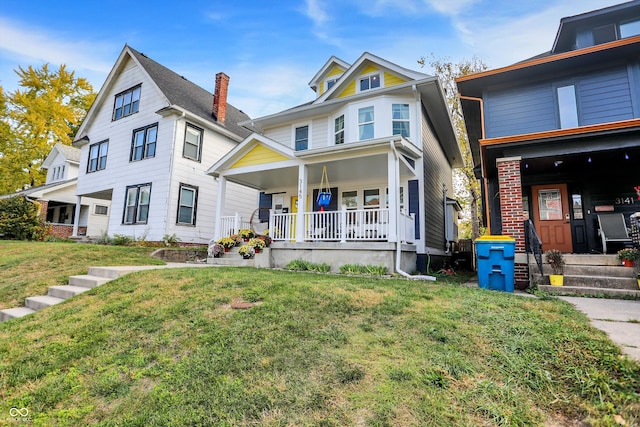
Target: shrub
<point>556,260</point>
<point>19,219</point>
<point>172,240</point>
<point>121,240</point>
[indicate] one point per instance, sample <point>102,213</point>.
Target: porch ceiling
<point>343,170</point>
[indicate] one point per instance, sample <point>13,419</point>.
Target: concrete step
<point>117,271</point>
<point>600,282</point>
<point>588,290</point>
<point>590,270</point>
<point>590,259</point>
<point>13,313</point>
<point>66,291</point>
<point>40,302</point>
<point>87,280</point>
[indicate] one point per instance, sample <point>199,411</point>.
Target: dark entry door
<point>551,216</point>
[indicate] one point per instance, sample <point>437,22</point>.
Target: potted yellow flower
<point>257,244</point>
<point>246,251</point>
<point>556,260</point>
<point>246,234</point>
<point>227,243</point>
<point>628,256</point>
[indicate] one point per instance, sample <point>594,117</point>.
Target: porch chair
<point>612,228</point>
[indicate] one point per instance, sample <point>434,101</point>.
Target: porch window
<point>100,210</point>
<point>302,138</point>
<point>192,142</point>
<point>365,123</point>
<point>339,130</point>
<point>567,106</point>
<point>401,197</point>
<point>126,103</point>
<point>400,118</point>
<point>137,204</point>
<point>187,205</point>
<point>350,199</point>
<point>372,199</point>
<point>98,156</point>
<point>143,145</point>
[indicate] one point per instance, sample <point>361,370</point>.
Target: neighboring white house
<point>146,144</point>
<point>385,138</point>
<point>57,199</point>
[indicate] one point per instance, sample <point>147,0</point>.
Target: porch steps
<point>590,275</point>
<point>77,284</point>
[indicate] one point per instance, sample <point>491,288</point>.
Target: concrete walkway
<point>620,319</point>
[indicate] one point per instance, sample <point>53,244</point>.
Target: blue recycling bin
<point>496,262</point>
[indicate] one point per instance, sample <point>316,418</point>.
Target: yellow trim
<point>369,69</point>
<point>349,90</point>
<point>623,124</point>
<point>259,155</point>
<point>391,80</point>
<point>335,71</point>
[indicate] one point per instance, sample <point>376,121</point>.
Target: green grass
<point>163,347</point>
<point>28,269</point>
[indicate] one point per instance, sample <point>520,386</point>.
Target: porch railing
<point>232,224</point>
<point>533,243</point>
<point>340,226</point>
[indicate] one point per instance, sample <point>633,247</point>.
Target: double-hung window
<point>302,138</point>
<point>126,103</point>
<point>187,205</point>
<point>365,123</point>
<point>136,209</point>
<point>339,130</point>
<point>192,142</point>
<point>400,119</point>
<point>143,144</point>
<point>369,82</point>
<point>98,156</point>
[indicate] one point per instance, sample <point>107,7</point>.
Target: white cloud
<point>450,7</point>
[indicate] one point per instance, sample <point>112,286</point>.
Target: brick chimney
<point>220,97</point>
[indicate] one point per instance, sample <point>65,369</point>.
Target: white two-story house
<point>383,135</point>
<point>146,144</point>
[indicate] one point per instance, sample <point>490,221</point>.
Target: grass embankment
<point>27,269</point>
<point>163,347</point>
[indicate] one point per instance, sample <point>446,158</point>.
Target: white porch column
<point>302,202</point>
<point>222,190</point>
<point>76,218</point>
<point>393,176</point>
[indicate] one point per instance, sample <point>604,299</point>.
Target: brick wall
<point>510,185</point>
<point>64,231</point>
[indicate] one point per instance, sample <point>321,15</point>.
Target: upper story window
<point>370,82</point>
<point>143,144</point>
<point>187,205</point>
<point>137,199</point>
<point>58,173</point>
<point>365,123</point>
<point>567,106</point>
<point>604,34</point>
<point>339,130</point>
<point>302,138</point>
<point>400,119</point>
<point>330,83</point>
<point>98,156</point>
<point>192,142</point>
<point>126,103</point>
<point>630,29</point>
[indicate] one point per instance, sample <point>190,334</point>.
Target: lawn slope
<point>164,347</point>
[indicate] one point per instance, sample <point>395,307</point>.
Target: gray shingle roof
<point>188,95</point>
<point>72,154</point>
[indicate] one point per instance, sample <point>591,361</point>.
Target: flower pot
<point>257,250</point>
<point>226,249</point>
<point>627,263</point>
<point>556,279</point>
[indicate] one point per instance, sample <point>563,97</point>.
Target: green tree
<point>20,219</point>
<point>47,109</point>
<point>470,194</point>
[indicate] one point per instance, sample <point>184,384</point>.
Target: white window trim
<point>200,145</point>
<point>293,135</point>
<point>368,75</point>
<point>373,122</point>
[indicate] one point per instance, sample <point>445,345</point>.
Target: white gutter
<point>398,230</point>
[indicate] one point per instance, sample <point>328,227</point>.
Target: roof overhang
<point>193,118</point>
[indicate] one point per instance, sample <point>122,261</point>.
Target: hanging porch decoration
<point>324,195</point>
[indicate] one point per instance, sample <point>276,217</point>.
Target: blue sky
<point>271,49</point>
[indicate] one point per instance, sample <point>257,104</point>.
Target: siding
<point>520,110</point>
<point>605,97</point>
<point>282,134</point>
<point>436,172</point>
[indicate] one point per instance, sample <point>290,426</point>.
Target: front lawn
<point>165,347</point>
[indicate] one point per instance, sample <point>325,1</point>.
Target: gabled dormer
<point>328,75</point>
<point>368,74</point>
<point>61,163</point>
<point>597,27</point>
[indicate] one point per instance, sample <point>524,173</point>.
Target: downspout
<point>398,230</point>
<point>171,161</point>
<point>447,245</point>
